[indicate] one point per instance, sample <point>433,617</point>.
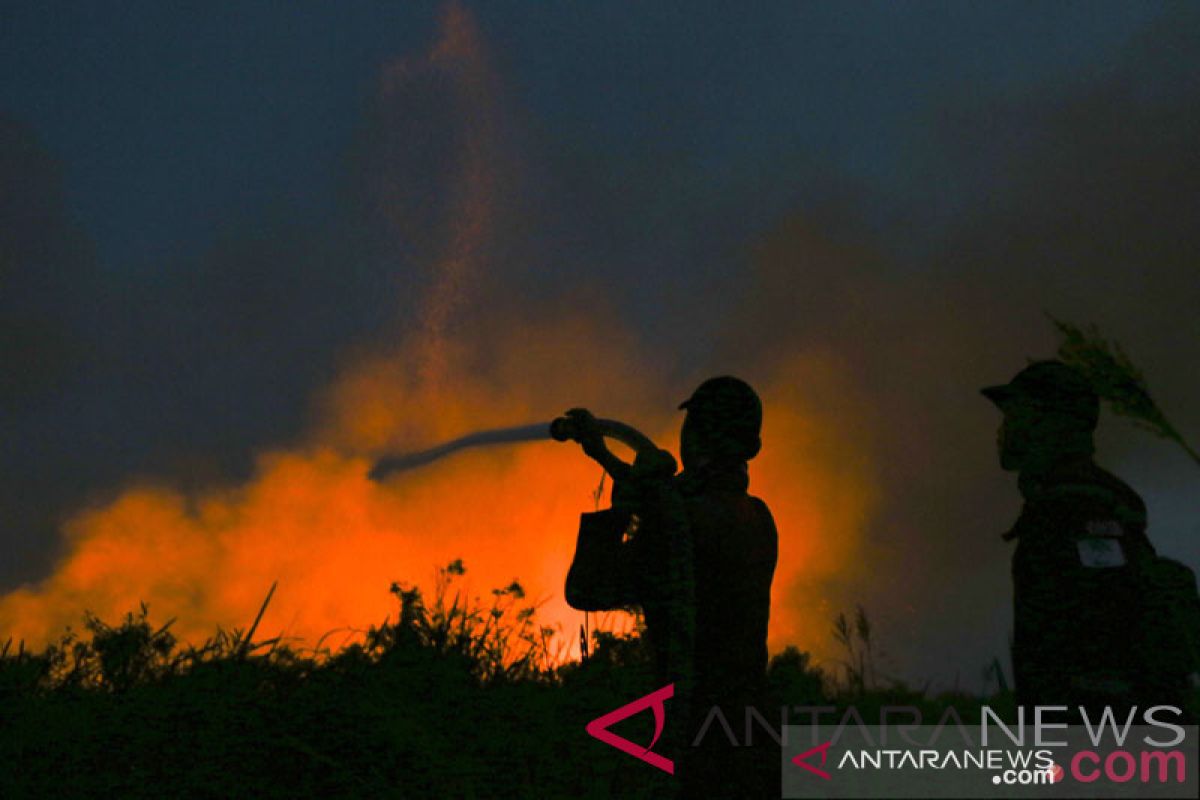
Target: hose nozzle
<point>564,429</point>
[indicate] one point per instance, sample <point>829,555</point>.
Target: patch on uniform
<point>1105,527</point>
<point>1100,553</point>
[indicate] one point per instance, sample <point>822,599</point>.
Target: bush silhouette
<point>454,697</point>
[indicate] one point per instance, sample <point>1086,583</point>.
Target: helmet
<point>1049,387</point>
<point>727,413</point>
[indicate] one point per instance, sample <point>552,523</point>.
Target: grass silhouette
<point>452,698</point>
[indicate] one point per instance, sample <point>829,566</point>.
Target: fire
<point>335,541</point>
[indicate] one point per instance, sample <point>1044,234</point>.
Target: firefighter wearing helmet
<point>700,564</point>
<point>1079,633</point>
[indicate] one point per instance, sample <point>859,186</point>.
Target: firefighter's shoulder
<point>1094,492</point>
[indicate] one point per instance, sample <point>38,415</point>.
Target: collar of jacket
<point>1032,482</point>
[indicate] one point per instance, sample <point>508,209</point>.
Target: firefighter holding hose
<point>697,553</point>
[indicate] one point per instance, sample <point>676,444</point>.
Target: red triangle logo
<point>802,760</point>
<point>599,727</point>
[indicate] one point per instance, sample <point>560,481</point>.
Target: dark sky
<point>173,123</point>
<point>181,190</point>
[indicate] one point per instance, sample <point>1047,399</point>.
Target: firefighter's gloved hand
<point>587,432</point>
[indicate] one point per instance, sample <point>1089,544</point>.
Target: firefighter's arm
<point>589,432</point>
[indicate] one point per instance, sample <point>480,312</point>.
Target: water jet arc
<point>558,430</point>
<point>389,465</point>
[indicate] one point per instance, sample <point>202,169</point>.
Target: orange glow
<point>310,519</point>
<point>335,541</point>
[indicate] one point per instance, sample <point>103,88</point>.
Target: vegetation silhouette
<point>453,697</point>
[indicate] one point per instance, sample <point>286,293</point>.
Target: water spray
<point>512,435</point>
<point>562,429</point>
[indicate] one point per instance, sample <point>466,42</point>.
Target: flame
<point>335,541</point>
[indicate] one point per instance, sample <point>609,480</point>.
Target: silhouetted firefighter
<point>1096,611</point>
<point>697,553</point>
